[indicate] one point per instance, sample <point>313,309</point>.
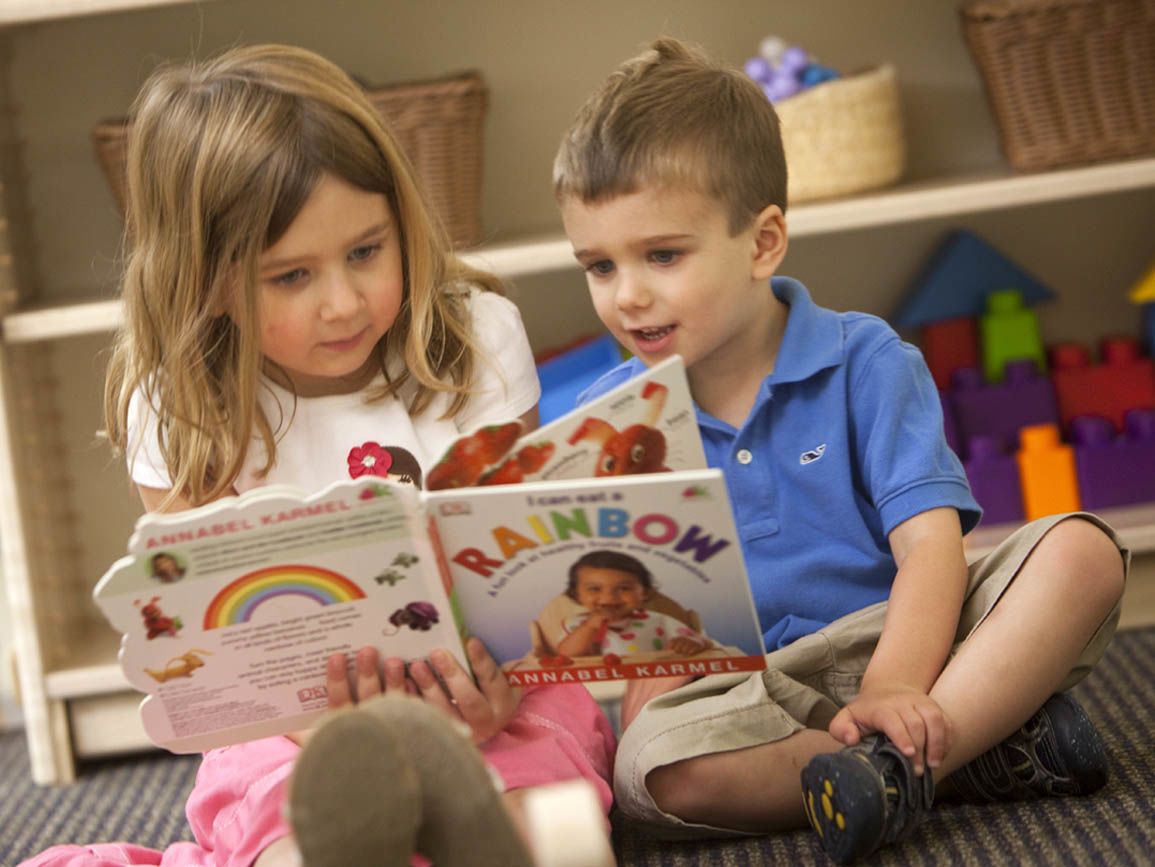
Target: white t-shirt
<point>334,437</point>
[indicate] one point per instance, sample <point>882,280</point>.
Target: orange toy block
<point>1124,380</point>
<point>1047,472</point>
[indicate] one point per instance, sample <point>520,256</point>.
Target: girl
<point>293,313</point>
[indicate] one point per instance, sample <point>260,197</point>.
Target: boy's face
<point>666,276</point>
<point>610,592</point>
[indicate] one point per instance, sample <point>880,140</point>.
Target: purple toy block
<point>1025,397</point>
<point>1115,470</point>
<point>993,474</point>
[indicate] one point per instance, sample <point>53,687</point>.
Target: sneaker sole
<point>844,801</point>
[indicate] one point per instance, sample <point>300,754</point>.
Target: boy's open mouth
<point>653,333</point>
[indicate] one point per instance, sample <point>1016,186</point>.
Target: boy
<point>892,666</point>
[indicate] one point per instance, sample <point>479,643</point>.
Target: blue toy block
<point>1149,328</point>
<point>1025,397</point>
<point>957,279</point>
<point>993,473</point>
<point>564,376</point>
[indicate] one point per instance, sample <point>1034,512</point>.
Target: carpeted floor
<point>141,800</point>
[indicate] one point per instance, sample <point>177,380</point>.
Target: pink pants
<point>236,806</point>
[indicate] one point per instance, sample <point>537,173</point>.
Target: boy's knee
<point>1091,558</point>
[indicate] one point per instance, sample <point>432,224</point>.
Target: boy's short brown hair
<point>673,118</point>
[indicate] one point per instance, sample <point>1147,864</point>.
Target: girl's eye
<point>601,268</point>
<point>290,278</point>
<point>367,251</point>
<point>665,257</point>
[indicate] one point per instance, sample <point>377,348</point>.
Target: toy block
<point>1025,397</point>
<point>949,345</point>
<point>1010,332</point>
<point>1115,470</point>
<point>957,279</point>
<point>1046,472</point>
<point>1123,380</point>
<point>565,374</point>
<point>993,473</point>
<point>1143,294</point>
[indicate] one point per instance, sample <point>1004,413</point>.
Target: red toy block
<point>948,346</point>
<point>1124,380</point>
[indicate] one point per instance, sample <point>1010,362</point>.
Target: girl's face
<point>610,592</point>
<point>330,288</point>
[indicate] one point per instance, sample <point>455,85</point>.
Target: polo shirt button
<point>744,456</point>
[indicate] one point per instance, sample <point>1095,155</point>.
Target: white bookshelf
<point>907,203</point>
<point>13,12</point>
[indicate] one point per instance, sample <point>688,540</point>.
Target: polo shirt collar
<point>813,340</point>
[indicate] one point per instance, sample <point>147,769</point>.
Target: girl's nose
<point>341,298</point>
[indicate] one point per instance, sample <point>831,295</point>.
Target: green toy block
<point>1010,332</point>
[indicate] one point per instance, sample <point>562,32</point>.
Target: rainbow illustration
<point>237,602</point>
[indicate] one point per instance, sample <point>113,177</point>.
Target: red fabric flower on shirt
<point>369,459</point>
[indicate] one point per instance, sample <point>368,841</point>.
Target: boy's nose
<point>632,292</point>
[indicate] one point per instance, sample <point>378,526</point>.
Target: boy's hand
<point>911,719</point>
<point>486,706</point>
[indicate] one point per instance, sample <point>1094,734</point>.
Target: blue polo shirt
<point>844,443</point>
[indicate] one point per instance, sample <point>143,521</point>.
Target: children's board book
<point>228,612</point>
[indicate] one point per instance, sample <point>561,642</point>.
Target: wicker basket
<point>438,124</point>
<point>844,136</point>
<point>1068,81</point>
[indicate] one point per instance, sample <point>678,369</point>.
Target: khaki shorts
<point>803,686</point>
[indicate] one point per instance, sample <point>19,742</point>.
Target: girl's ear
<point>770,242</point>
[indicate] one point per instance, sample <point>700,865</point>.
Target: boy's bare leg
<point>1014,661</point>
<point>754,789</point>
<point>1021,653</point>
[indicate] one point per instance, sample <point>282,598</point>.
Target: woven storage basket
<point>437,123</point>
<point>843,136</point>
<point>1068,81</point>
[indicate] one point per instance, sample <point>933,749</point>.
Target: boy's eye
<point>290,277</point>
<point>601,268</point>
<point>665,257</point>
<point>365,251</point>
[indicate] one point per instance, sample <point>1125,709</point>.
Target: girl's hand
<point>486,706</point>
<point>911,719</point>
<point>370,677</point>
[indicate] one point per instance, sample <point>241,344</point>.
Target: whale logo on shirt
<point>809,457</point>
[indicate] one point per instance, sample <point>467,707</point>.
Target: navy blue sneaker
<point>864,797</point>
<point>1056,753</point>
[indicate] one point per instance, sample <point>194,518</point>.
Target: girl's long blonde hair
<point>221,157</point>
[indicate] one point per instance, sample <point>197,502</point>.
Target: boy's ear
<point>770,242</point>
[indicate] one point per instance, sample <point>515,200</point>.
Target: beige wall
<point>539,57</point>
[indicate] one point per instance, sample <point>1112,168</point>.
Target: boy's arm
<point>921,620</point>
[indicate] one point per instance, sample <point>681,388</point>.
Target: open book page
<point>528,563</point>
<point>229,611</point>
<point>645,425</point>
